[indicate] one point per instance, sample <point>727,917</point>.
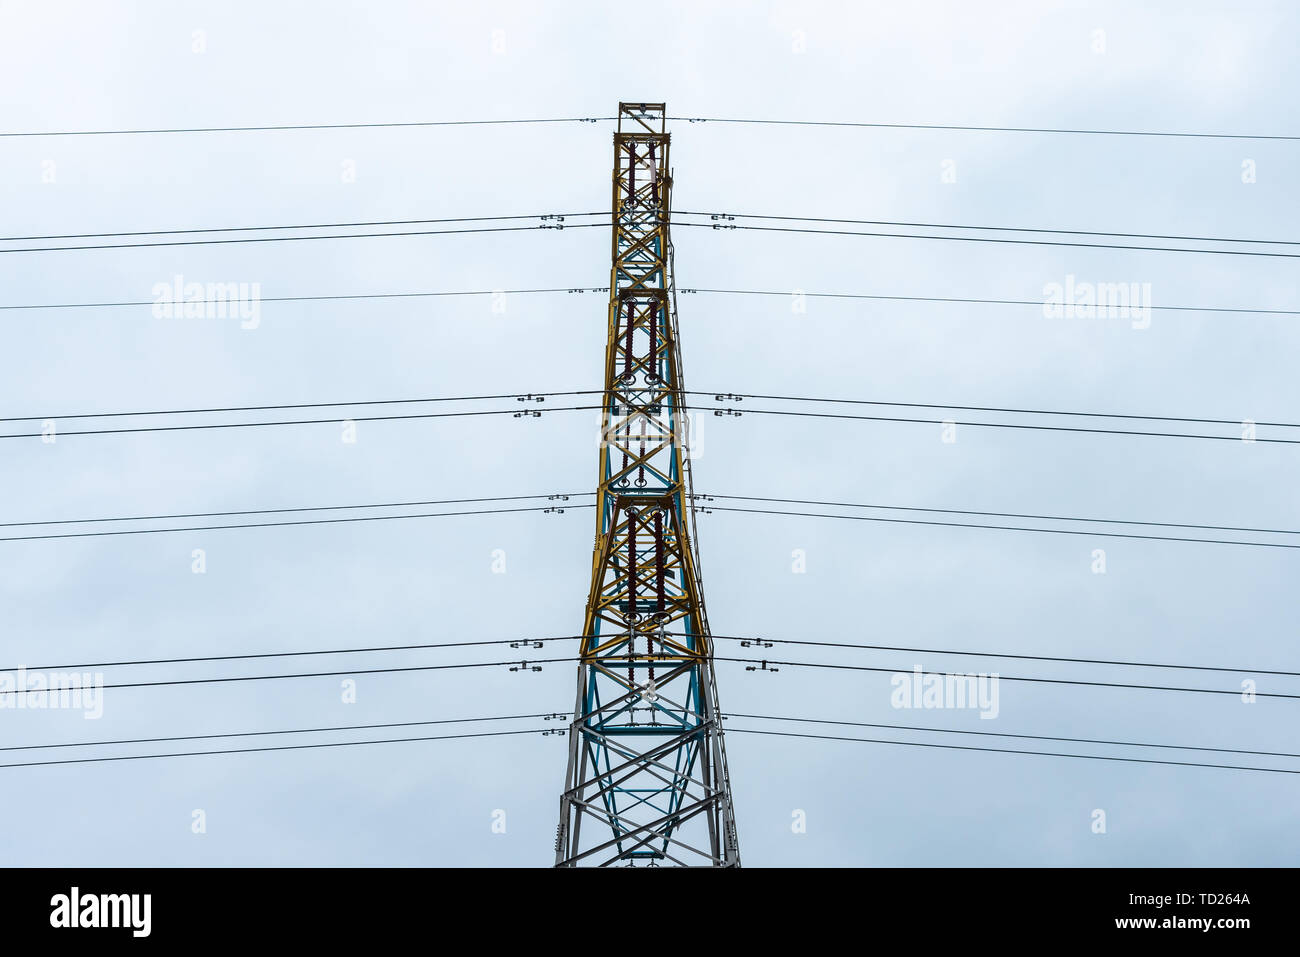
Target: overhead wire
<point>724,216</point>
<point>554,496</point>
<point>286,239</point>
<point>173,682</point>
<point>350,225</point>
<point>987,514</point>
<point>961,300</point>
<point>284,747</point>
<point>700,290</point>
<point>680,119</point>
<point>983,129</point>
<point>564,501</point>
<point>296,523</point>
<point>311,126</point>
<point>334,421</point>
<point>767,641</point>
<point>728,410</point>
<point>258,734</point>
<point>519,396</point>
<point>1236,692</point>
<point>1008,734</point>
<point>990,239</point>
<point>1003,528</point>
<point>1048,754</point>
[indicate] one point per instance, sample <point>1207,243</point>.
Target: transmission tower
<point>647,772</point>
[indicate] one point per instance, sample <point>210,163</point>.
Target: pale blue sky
<point>1175,66</point>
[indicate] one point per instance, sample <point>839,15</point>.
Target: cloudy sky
<point>1192,67</point>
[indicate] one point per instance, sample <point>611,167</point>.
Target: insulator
<point>627,346</point>
<point>640,478</point>
<point>654,180</point>
<point>631,564</point>
<point>631,173</point>
<point>654,343</point>
<point>659,560</point>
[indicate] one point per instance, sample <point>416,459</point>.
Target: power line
<point>284,747</point>
<point>986,425</point>
<point>560,226</point>
<point>523,642</point>
<point>989,239</point>
<point>543,661</point>
<point>537,642</point>
<point>1007,734</point>
<point>311,521</point>
<point>313,126</point>
<point>1046,754</point>
<point>558,715</point>
<point>369,295</point>
<point>314,674</point>
<point>949,299</point>
<point>730,396</point>
<point>557,496</point>
<point>248,425</point>
<point>1001,528</point>
<point>982,129</point>
<point>256,734</point>
<point>566,496</point>
<point>1001,677</point>
<point>288,239</point>
<point>520,396</point>
<point>581,408</point>
<point>562,217</point>
<point>964,511</point>
<point>491,734</point>
<point>1000,229</point>
<point>993,654</point>
<point>681,119</point>
<point>718,396</point>
<point>240,229</point>
<point>604,289</point>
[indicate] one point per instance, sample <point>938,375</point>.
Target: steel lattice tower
<point>647,770</point>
